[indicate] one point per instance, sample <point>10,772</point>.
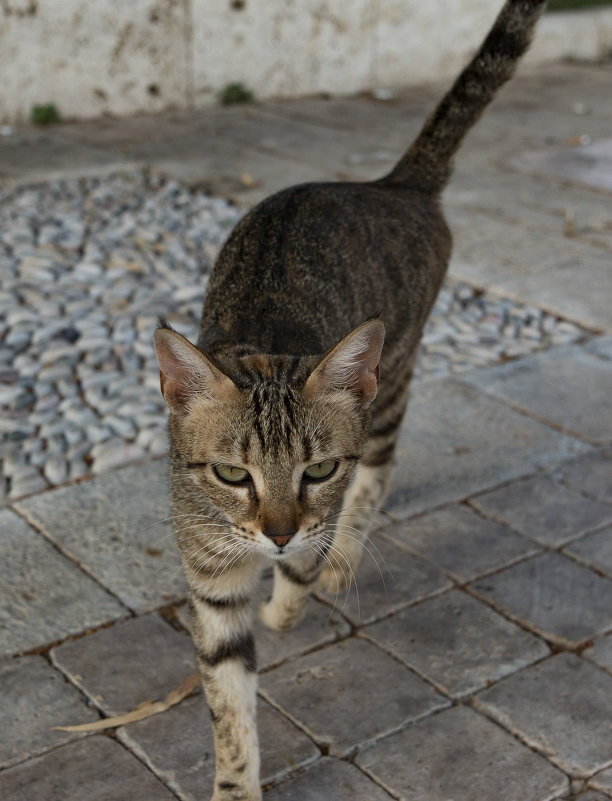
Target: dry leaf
<point>146,709</point>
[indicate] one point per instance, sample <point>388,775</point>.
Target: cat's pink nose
<point>279,534</point>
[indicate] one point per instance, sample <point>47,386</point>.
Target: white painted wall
<point>92,57</point>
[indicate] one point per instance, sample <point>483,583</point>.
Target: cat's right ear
<point>185,373</point>
<point>351,365</point>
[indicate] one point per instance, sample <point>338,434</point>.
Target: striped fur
<point>287,379</point>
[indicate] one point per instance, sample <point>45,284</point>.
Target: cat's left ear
<point>352,364</point>
<point>185,373</point>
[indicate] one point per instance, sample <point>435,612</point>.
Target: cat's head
<point>270,442</point>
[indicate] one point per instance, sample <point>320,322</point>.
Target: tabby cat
<point>281,437</point>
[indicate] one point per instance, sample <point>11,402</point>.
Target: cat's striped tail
<point>427,163</point>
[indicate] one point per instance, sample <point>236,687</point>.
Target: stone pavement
<point>475,663</point>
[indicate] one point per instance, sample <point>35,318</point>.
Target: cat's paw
<point>279,618</point>
<point>332,581</point>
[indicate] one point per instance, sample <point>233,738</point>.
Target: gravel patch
<point>88,266</point>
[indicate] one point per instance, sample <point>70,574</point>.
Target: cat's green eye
<point>321,470</point>
<point>233,475</point>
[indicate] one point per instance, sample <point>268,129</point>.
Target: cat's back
<point>312,261</point>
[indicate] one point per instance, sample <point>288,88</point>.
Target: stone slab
<point>386,122</point>
<point>460,755</point>
<point>461,542</point>
<point>552,595</point>
<point>601,347</point>
<point>547,512</point>
<point>111,525</point>
<point>600,652</point>
<point>243,176</point>
<point>561,707</point>
<point>527,200</point>
<point>595,550</point>
<point>457,643</point>
<point>178,746</point>
<point>603,781</point>
<point>33,698</point>
<point>329,779</point>
<point>387,579</point>
<point>137,660</point>
<point>567,386</point>
<point>456,441</point>
<point>590,474</point>
<point>96,768</point>
<point>591,795</point>
<point>567,278</point>
<point>45,596</point>
<point>589,164</point>
<point>355,154</point>
<point>32,155</point>
<point>338,695</point>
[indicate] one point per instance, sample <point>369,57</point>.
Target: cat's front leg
<point>221,630</point>
<point>351,528</point>
<point>294,579</point>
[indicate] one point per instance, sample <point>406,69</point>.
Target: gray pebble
<point>55,470</point>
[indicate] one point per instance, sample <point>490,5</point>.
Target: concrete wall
<point>91,57</point>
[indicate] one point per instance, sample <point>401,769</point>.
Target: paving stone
<point>590,474</point>
<point>526,200</point>
<point>388,579</point>
<point>572,279</point>
<point>35,155</point>
<point>590,796</point>
<point>461,542</point>
<point>46,596</point>
<point>595,550</point>
<point>553,595</point>
<point>34,697</point>
<point>337,693</point>
<point>544,510</point>
<point>565,385</point>
<point>240,174</point>
<point>178,746</point>
<point>137,660</point>
<point>600,346</point>
<point>601,652</point>
<point>456,642</point>
<point>462,756</point>
<point>456,441</point>
<point>562,707</point>
<point>109,524</point>
<point>96,768</point>
<point>329,779</point>
<point>589,164</point>
<point>603,781</point>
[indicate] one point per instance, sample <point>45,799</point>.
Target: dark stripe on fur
<point>242,646</point>
<point>232,602</point>
<point>294,576</point>
<point>381,457</point>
